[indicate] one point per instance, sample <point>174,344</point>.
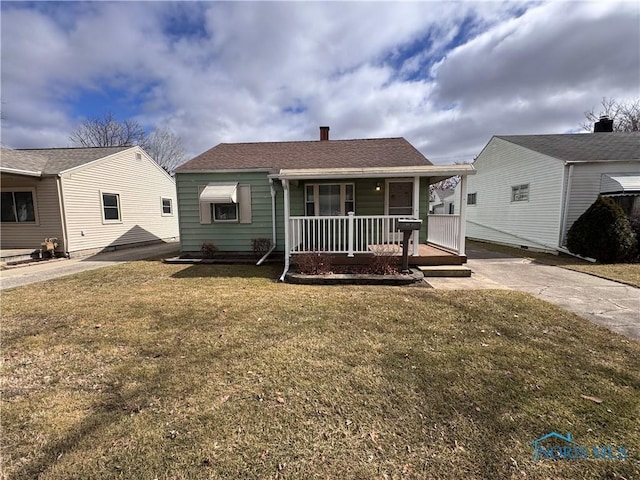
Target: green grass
<point>148,370</point>
<point>628,273</point>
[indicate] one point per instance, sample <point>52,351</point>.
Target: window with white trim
<point>224,212</point>
<point>111,207</point>
<point>472,198</point>
<point>18,206</point>
<point>167,206</point>
<point>329,199</point>
<point>520,193</point>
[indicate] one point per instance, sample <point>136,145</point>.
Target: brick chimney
<point>324,134</point>
<point>605,124</point>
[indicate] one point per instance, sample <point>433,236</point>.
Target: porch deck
<point>427,255</point>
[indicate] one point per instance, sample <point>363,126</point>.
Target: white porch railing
<point>348,234</point>
<point>444,230</point>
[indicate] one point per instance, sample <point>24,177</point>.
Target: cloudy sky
<point>445,75</point>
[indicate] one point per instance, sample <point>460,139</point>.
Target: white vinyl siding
<point>534,223</point>
<point>48,222</point>
<point>138,182</point>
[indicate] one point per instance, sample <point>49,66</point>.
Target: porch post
<point>416,214</point>
<point>350,222</point>
<point>287,240</point>
<point>462,229</point>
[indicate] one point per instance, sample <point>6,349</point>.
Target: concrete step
<point>445,271</point>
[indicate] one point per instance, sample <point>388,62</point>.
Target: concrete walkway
<point>47,270</point>
<point>611,304</point>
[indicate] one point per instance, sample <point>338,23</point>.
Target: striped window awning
<point>220,193</point>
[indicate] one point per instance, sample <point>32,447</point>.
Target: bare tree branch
<point>162,145</point>
<point>166,149</point>
<point>625,116</point>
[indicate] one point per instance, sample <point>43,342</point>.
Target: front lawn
<point>146,370</point>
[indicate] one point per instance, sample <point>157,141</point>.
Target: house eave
<point>375,172</point>
<point>17,171</point>
<point>225,170</point>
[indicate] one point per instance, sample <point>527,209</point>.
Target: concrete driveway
<point>611,304</point>
<point>47,270</point>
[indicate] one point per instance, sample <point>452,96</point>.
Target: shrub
<point>384,262</point>
<point>602,232</point>
<point>261,246</point>
<point>634,223</point>
<point>313,263</point>
<point>208,249</point>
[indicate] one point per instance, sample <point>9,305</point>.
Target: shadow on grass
<point>271,272</point>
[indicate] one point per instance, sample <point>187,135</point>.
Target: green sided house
<point>342,197</point>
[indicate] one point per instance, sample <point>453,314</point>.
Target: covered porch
<point>348,233</point>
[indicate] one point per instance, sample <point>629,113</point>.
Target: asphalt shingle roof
<point>53,160</point>
<point>274,156</point>
<point>582,147</point>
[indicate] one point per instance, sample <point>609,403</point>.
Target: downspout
<point>287,252</point>
<point>565,209</point>
<point>273,223</point>
<point>63,217</point>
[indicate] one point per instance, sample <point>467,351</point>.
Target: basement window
<point>520,193</point>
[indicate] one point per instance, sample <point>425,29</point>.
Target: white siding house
<point>90,199</point>
<point>529,189</point>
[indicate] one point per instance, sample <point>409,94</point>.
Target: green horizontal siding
<point>228,237</point>
<point>236,237</point>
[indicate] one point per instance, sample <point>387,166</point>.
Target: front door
<point>399,202</point>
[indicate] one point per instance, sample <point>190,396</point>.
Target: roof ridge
<point>312,141</point>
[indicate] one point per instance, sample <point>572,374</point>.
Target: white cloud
<point>229,72</point>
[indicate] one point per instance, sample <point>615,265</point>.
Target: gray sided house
<point>342,197</point>
<point>90,199</point>
<point>529,189</point>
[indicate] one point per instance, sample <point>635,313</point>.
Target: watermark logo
<point>554,446</point>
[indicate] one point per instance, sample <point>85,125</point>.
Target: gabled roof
<point>444,192</point>
<point>276,156</point>
<point>51,161</point>
<point>582,147</point>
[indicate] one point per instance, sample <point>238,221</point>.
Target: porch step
<point>445,271</point>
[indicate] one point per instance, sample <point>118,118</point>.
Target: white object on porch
<point>348,234</point>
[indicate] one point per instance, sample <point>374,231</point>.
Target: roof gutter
<point>375,172</point>
<point>273,223</point>
<point>17,171</point>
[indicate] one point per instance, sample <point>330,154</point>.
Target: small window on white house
<point>138,156</point>
<point>167,206</point>
<point>472,198</point>
<point>111,207</point>
<point>520,193</point>
<point>225,212</point>
<point>18,207</point>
